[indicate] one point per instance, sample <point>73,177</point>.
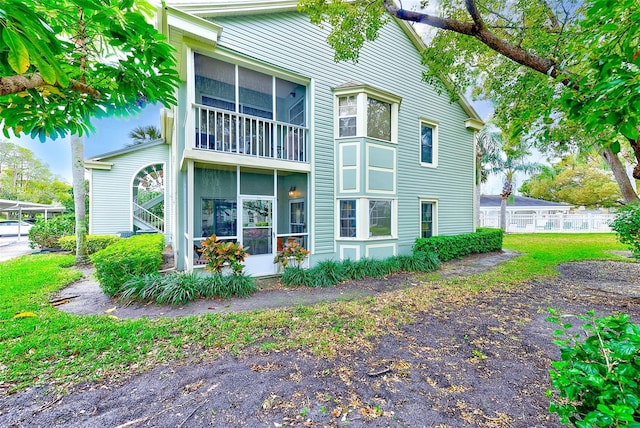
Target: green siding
<point>289,41</point>
<point>111,190</point>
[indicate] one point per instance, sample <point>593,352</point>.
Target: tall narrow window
<point>347,113</point>
<point>348,218</point>
<point>426,219</point>
<point>379,218</point>
<point>378,119</point>
<point>426,143</point>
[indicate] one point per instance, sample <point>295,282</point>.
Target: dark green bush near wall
<point>116,264</point>
<point>95,243</point>
<point>451,247</point>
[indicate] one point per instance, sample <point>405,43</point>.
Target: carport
<point>18,208</point>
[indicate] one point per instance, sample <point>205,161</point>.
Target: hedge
<point>94,243</point>
<point>116,264</point>
<point>450,247</point>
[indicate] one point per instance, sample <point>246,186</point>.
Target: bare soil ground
<point>479,363</point>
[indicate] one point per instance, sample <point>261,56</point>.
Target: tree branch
<point>22,82</point>
<point>478,31</point>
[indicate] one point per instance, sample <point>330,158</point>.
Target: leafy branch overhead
<point>540,62</point>
<point>63,62</point>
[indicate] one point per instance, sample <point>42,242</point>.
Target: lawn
<point>52,347</point>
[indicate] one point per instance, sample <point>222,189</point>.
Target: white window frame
<point>394,218</point>
<point>434,150</point>
<point>362,92</point>
<point>362,219</point>
<point>339,218</point>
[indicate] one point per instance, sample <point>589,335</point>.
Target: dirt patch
<point>482,363</point>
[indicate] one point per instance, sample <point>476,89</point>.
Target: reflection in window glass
<point>347,110</point>
<point>426,143</point>
<point>426,219</point>
<point>380,218</point>
<point>378,119</point>
<point>348,218</point>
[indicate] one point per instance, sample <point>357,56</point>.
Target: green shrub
<point>138,255</point>
<point>46,234</point>
<point>449,247</point>
<point>239,285</point>
<point>95,243</point>
<point>627,226</point>
<point>596,380</point>
<point>220,254</point>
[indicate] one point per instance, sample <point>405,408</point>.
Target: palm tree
<point>143,134</point>
<point>509,164</point>
<point>488,146</point>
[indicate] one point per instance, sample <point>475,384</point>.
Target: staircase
<point>145,219</point>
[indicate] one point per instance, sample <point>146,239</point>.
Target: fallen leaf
<point>108,311</point>
<point>113,317</point>
<point>24,315</point>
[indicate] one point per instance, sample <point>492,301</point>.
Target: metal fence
<point>554,223</point>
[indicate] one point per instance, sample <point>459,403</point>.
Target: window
<point>297,214</point>
<point>378,119</point>
<point>428,143</point>
<point>426,219</point>
<point>348,218</point>
<point>365,111</point>
<point>379,218</point>
<point>347,113</point>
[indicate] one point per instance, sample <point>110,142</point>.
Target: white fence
<point>550,223</point>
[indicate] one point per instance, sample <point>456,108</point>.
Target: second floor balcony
<point>226,131</point>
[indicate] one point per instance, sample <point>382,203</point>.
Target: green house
<point>272,142</point>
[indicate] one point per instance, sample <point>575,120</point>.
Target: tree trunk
<point>503,214</point>
<point>478,187</point>
<point>620,174</point>
<point>77,171</point>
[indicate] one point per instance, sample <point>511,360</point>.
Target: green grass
<point>61,349</point>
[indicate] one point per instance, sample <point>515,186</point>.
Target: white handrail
<point>147,217</point>
<point>229,132</point>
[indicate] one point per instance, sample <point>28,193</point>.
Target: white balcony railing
<point>229,132</point>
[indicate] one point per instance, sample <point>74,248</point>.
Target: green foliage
<point>327,273</point>
<point>295,275</point>
<point>450,247</point>
<point>94,243</point>
<point>627,226</point>
<point>291,252</point>
<point>38,39</point>
<point>25,178</point>
<point>221,254</point>
<point>179,288</point>
<point>138,255</point>
<point>580,182</point>
<point>47,234</point>
<point>596,380</point>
